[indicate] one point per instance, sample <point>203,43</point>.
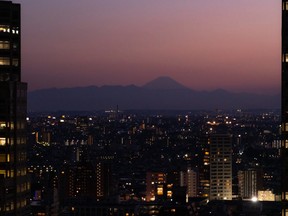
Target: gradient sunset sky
<point>205,45</point>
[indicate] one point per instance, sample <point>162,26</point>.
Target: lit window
<point>285,144</point>
<point>4,45</point>
<point>285,5</point>
<point>2,125</point>
<point>2,141</point>
<point>285,58</point>
<point>160,190</point>
<point>4,28</point>
<point>4,61</point>
<point>3,172</point>
<point>15,30</point>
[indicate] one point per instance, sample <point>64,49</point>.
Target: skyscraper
<point>284,107</point>
<point>247,183</point>
<point>14,183</point>
<point>220,167</point>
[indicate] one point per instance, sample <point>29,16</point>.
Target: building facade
<point>284,107</point>
<point>247,183</point>
<point>14,186</point>
<point>220,167</point>
<point>155,185</point>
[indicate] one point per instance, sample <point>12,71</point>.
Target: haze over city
<point>233,45</point>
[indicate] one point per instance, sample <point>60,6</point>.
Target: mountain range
<point>162,93</point>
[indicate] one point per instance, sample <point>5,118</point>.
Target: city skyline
<point>235,44</point>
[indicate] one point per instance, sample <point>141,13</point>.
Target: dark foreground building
<point>14,183</point>
<point>284,107</point>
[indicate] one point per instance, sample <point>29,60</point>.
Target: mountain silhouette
<point>162,93</point>
<point>164,82</point>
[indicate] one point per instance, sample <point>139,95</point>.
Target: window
<point>285,144</point>
<point>4,28</point>
<point>2,125</point>
<point>4,45</point>
<point>285,58</point>
<point>2,158</point>
<point>3,172</point>
<point>15,30</point>
<point>2,141</point>
<point>15,62</point>
<point>285,6</point>
<point>286,127</point>
<point>4,61</point>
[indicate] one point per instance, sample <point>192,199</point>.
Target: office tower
<point>77,180</point>
<point>14,184</point>
<point>189,180</point>
<point>155,185</point>
<point>201,162</point>
<point>104,184</point>
<point>247,183</point>
<point>220,167</point>
<point>191,183</point>
<point>284,107</point>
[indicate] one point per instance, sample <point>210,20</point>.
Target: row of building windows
<point>7,173</point>
<point>4,45</point>
<point>23,187</point>
<point>2,125</point>
<point>4,158</point>
<point>9,141</point>
<point>5,61</point>
<point>7,29</point>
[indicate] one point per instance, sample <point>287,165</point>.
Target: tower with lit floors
<point>14,182</point>
<point>284,107</point>
<point>220,166</point>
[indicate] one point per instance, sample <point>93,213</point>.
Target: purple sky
<point>205,45</point>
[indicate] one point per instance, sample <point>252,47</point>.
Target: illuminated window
<point>3,172</point>
<point>286,127</point>
<point>4,45</point>
<point>15,30</point>
<point>2,141</point>
<point>4,61</point>
<point>160,191</point>
<point>2,125</point>
<point>285,144</point>
<point>285,6</point>
<point>285,58</point>
<point>4,28</point>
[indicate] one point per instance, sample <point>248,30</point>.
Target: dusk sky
<point>205,45</point>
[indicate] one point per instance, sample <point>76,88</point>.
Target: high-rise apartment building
<point>155,183</point>
<point>284,107</point>
<point>220,167</point>
<point>247,183</point>
<point>14,183</point>
<point>189,179</point>
<point>204,168</point>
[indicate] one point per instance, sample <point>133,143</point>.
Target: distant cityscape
<point>138,163</point>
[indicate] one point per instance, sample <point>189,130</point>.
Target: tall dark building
<point>14,183</point>
<point>220,166</point>
<point>284,147</point>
